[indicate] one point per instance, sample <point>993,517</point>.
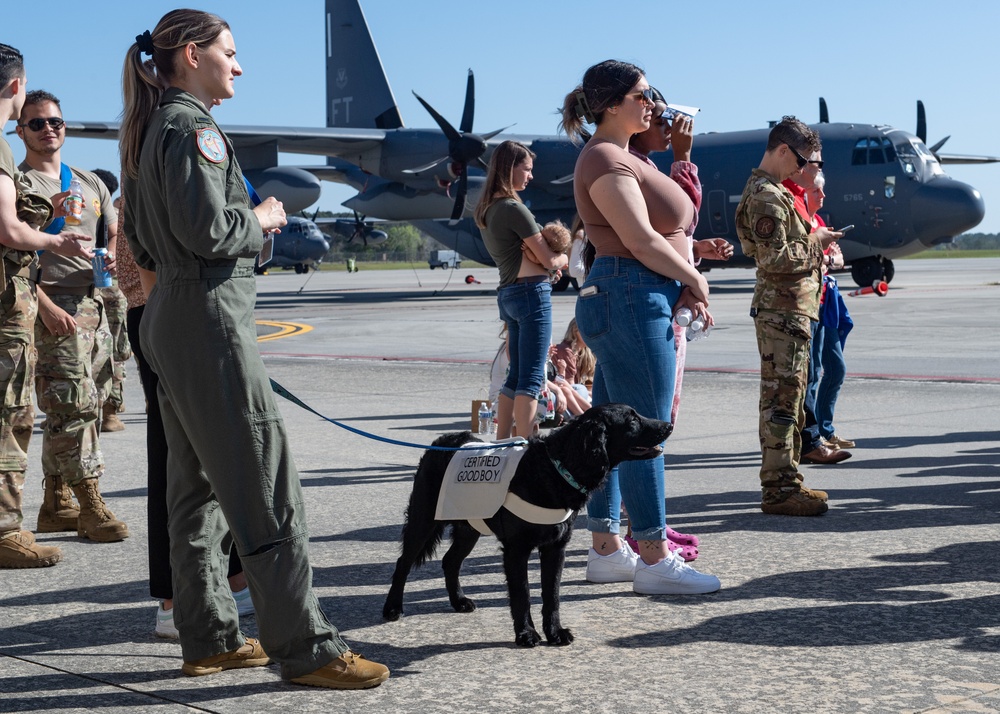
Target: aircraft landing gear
<point>867,270</point>
<point>301,268</point>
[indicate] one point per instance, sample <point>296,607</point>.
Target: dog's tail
<point>431,539</point>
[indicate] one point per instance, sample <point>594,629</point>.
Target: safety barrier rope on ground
<point>282,392</point>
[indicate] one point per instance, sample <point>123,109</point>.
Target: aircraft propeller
<point>464,146</point>
<point>922,130</point>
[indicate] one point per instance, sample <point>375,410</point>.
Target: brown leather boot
<point>96,520</point>
<point>18,549</point>
<point>110,421</point>
<point>59,511</point>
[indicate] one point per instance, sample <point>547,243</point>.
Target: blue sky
<point>742,63</point>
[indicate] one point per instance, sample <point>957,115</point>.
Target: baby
<point>558,238</point>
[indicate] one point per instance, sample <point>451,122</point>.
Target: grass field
<point>955,254</point>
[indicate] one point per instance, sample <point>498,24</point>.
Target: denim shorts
<point>526,308</point>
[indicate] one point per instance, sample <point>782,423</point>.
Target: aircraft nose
<point>944,208</point>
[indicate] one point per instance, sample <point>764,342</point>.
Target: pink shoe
<point>686,552</point>
<point>681,538</point>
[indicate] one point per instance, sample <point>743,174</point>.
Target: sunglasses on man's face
<point>38,123</point>
<point>800,160</point>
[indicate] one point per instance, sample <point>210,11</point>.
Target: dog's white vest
<point>475,487</point>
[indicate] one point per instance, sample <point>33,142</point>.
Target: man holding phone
<point>789,256</point>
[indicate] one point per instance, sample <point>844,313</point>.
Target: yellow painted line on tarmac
<point>285,329</point>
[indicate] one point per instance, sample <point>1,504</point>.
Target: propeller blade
<point>463,185</point>
<point>487,137</point>
<point>824,115</point>
<point>565,179</point>
<point>448,129</point>
<point>934,149</point>
<point>921,122</point>
<point>470,104</point>
<point>425,167</point>
<point>482,164</point>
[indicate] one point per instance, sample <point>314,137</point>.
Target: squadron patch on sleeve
<point>764,227</point>
<point>211,145</point>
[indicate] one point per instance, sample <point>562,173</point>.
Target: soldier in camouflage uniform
<point>785,302</point>
<point>21,212</point>
<point>73,342</point>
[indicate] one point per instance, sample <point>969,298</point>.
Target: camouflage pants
<point>18,307</point>
<point>783,342</point>
<point>72,379</point>
<point>116,307</point>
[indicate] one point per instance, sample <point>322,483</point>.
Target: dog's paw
<point>527,638</point>
<point>464,605</point>
<point>391,612</point>
<point>560,638</point>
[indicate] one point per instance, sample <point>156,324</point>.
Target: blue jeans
<point>827,370</point>
<point>628,325</point>
<point>526,308</point>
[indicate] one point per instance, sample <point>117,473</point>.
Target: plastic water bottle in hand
<point>698,329</point>
<point>683,316</point>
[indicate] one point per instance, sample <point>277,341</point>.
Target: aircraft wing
<point>966,159</point>
<point>297,140</point>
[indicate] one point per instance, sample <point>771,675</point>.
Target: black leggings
<point>160,574</point>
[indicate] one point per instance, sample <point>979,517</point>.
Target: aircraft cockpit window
<point>890,150</point>
<point>860,155</point>
<point>872,151</point>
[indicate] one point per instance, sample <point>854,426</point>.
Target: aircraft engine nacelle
<point>295,188</point>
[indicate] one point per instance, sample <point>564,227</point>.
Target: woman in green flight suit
<point>188,218</point>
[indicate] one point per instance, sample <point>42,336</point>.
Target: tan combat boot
<point>804,502</point>
<point>18,549</point>
<point>58,512</point>
<point>96,520</point>
<point>111,422</point>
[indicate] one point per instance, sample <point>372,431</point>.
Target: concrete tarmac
<point>888,603</point>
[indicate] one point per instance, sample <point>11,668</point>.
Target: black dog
<point>585,449</point>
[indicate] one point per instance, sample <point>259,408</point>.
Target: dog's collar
<point>567,475</point>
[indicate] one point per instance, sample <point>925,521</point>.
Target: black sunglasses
<point>646,94</point>
<point>38,123</point>
<point>817,164</point>
<point>800,160</point>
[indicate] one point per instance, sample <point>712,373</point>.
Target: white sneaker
<point>672,576</point>
<point>165,624</point>
<point>244,605</point>
<point>618,567</point>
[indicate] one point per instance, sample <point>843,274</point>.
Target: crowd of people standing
<point>213,416</point>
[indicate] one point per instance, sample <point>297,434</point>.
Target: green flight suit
<point>18,307</point>
<point>785,302</point>
<point>189,219</point>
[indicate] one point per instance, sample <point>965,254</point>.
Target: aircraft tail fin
<point>357,91</point>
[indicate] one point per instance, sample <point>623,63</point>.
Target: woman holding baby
<point>515,242</point>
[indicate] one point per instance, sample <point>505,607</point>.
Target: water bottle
<point>493,419</point>
<point>74,203</point>
<point>683,316</point>
<point>698,330</point>
<point>484,418</point>
<point>102,276</point>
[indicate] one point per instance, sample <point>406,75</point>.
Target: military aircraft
<point>883,180</point>
<point>300,245</point>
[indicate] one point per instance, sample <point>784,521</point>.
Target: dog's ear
<point>593,452</point>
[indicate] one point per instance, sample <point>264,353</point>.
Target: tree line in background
<point>408,244</point>
<point>974,241</point>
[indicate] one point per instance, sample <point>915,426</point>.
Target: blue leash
<point>282,392</point>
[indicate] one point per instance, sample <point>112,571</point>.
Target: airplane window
<point>860,155</point>
<point>905,149</point>
<point>875,153</point>
<point>890,150</point>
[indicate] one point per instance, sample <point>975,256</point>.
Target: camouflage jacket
<point>789,258</point>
